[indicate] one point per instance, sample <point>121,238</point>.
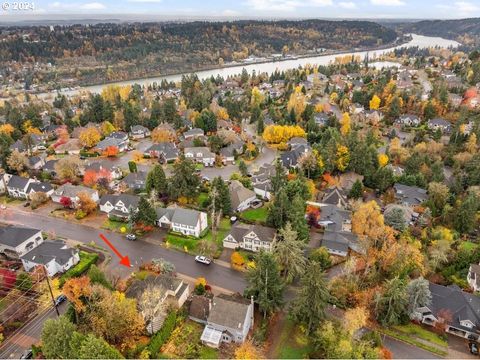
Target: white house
<point>240,196</point>
<point>185,221</point>
<point>72,191</point>
<point>17,186</point>
<point>473,277</point>
<point>230,318</point>
<point>250,237</point>
<point>200,154</point>
<point>119,206</point>
<point>16,241</point>
<point>56,256</point>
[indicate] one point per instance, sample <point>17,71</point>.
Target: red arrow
<point>124,260</point>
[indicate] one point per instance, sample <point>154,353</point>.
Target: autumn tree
<point>86,203</point>
<point>374,103</point>
<point>247,350</point>
<point>163,134</point>
<point>17,161</point>
<point>297,103</point>
<point>90,137</point>
<point>438,195</point>
<point>264,283</point>
<point>67,168</point>
<point>354,319</point>
<point>276,134</point>
<point>345,124</point>
<point>111,151</point>
<point>382,160</point>
<point>342,158</point>
<point>77,290</point>
<point>148,303</point>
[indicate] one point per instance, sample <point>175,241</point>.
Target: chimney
<point>253,310</point>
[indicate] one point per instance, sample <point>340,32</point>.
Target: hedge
<point>162,335</point>
<point>86,260</point>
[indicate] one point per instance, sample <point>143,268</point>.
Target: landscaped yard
<point>420,332</point>
<point>292,344</point>
<point>468,245</point>
<point>257,215</point>
<point>86,260</point>
<point>113,225</point>
<point>201,199</point>
<point>190,243</point>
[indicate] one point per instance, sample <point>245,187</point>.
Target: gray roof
<point>119,135</point>
<point>340,240</point>
<point>72,191</point>
<point>411,195</point>
<point>136,180</point>
<point>228,311</point>
<point>239,193</point>
<point>335,196</point>
<point>186,216</point>
<point>199,307</point>
<point>18,182</point>
<point>194,132</point>
<point>107,142</point>
<point>136,289</point>
<point>40,187</point>
<point>335,215</point>
<point>126,199</point>
<point>264,233</point>
<point>296,141</point>
<point>49,165</point>
<point>47,251</point>
<point>439,122</point>
<point>290,158</point>
<point>102,165</point>
<point>15,235</point>
<point>168,213</point>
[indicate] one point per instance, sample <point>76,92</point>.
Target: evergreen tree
<point>309,306</point>
<point>156,180</point>
<point>56,336</point>
<point>132,166</point>
<point>419,295</point>
<point>356,192</point>
<point>278,210</point>
<point>465,216</point>
<point>279,178</point>
<point>391,305</point>
<point>146,214</point>
<point>95,348</point>
<point>264,283</point>
<point>242,167</point>
<point>207,121</point>
<point>288,252</point>
<point>184,182</point>
<point>296,215</point>
<point>219,191</point>
<point>260,125</point>
<point>396,219</point>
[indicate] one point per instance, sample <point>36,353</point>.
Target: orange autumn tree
<point>76,289</point>
<point>111,151</point>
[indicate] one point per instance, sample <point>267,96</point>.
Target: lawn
<point>420,332</point>
<point>468,246</point>
<point>86,260</point>
<point>293,343</point>
<point>113,225</point>
<point>201,199</point>
<point>413,341</point>
<point>257,215</point>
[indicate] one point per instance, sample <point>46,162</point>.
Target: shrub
<point>162,335</point>
<point>86,260</point>
<point>80,214</point>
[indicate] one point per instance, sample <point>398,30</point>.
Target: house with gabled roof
<point>185,221</point>
<point>119,206</point>
<point>240,196</point>
<point>193,133</point>
<point>200,154</point>
<point>105,167</point>
<point>164,151</point>
<point>410,195</point>
<point>71,192</point>
<point>250,237</point>
<point>473,277</point>
<point>136,180</point>
<point>335,196</point>
<point>17,186</point>
<point>139,132</point>
<point>18,240</point>
<point>439,124</point>
<point>290,158</point>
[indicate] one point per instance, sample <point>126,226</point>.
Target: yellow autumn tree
<point>355,319</point>
<point>30,129</point>
<point>343,157</point>
<point>368,221</point>
<point>345,124</point>
<point>318,108</point>
<point>247,351</point>
<point>107,128</point>
<point>382,160</point>
<point>110,93</point>
<point>257,97</point>
<point>471,144</point>
<point>124,92</point>
<point>276,134</point>
<point>89,137</point>
<point>6,129</point>
<point>374,102</point>
<point>333,97</point>
<point>297,102</point>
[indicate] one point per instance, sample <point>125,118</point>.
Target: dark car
<point>473,348</point>
<point>27,354</point>
<point>131,237</point>
<point>60,299</point>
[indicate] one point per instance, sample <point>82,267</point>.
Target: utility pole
<point>50,288</point>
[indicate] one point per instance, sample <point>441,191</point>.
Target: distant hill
<point>467,31</point>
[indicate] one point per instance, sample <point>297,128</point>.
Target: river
<point>269,67</point>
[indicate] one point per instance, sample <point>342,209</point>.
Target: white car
<point>203,260</point>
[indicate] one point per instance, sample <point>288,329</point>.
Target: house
<point>335,196</point>
<point>71,147</point>
<point>105,168</point>
<point>296,141</point>
<point>71,192</point>
<point>230,318</point>
<point>338,242</point>
<point>262,185</point>
<point>119,135</point>
<point>224,124</point>
<point>439,124</point>
<point>185,221</point>
<point>139,132</point>
<point>17,186</point>
<point>16,241</point>
<point>39,186</point>
<point>321,119</point>
<point>36,162</point>
<point>200,154</point>
<point>473,277</point>
<point>408,120</point>
<point>290,158</point>
<point>346,180</point>
<point>49,167</point>
<point>111,142</point>
<point>172,293</point>
<point>36,143</point>
<point>56,256</point>
<point>193,133</point>
<point>136,180</point>
<point>240,196</point>
<point>164,151</point>
<point>228,155</point>
<point>250,237</point>
<point>457,309</point>
<point>119,206</point>
<point>410,195</point>
<point>357,108</point>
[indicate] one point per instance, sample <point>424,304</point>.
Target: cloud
<point>388,2</point>
<point>347,5</point>
<point>228,12</point>
<point>92,6</point>
<point>466,7</point>
<point>460,9</point>
<point>285,5</point>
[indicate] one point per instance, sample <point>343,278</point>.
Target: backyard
<point>255,215</point>
<point>292,343</point>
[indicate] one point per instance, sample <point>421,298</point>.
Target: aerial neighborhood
<point>260,215</point>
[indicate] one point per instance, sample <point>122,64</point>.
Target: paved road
<point>401,350</point>
<point>30,334</point>
<point>138,251</point>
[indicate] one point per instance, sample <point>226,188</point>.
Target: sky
<point>369,9</point>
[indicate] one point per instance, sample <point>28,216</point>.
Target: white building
<point>16,241</point>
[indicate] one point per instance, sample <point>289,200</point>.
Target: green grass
<point>257,215</point>
<point>180,242</point>
<point>208,353</point>
<point>468,246</point>
<point>420,332</point>
<point>199,166</point>
<point>86,260</point>
<point>201,199</point>
<point>409,340</point>
<point>293,343</point>
<point>113,225</point>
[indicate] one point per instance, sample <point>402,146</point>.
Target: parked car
<point>60,299</point>
<point>27,354</point>
<point>203,259</point>
<point>131,237</point>
<point>473,348</point>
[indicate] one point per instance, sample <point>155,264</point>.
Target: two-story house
<point>240,196</point>
<point>139,132</point>
<point>200,154</point>
<point>17,186</point>
<point>230,318</point>
<point>136,180</point>
<point>185,221</point>
<point>250,237</point>
<point>119,206</point>
<point>166,152</point>
<point>473,277</point>
<point>439,124</point>
<point>106,168</point>
<point>193,133</point>
<point>16,241</point>
<point>71,192</point>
